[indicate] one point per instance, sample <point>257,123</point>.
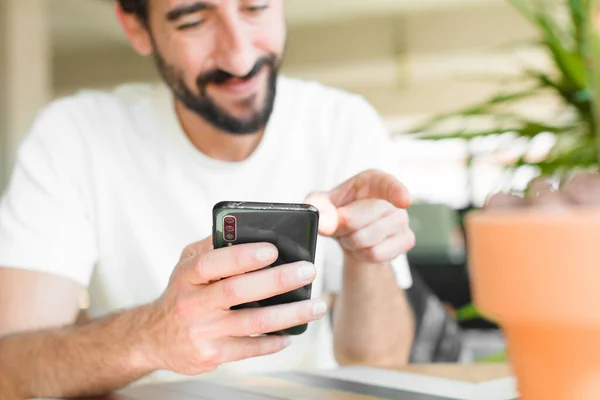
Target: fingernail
<point>306,272</point>
<point>319,309</point>
<point>287,341</point>
<point>266,253</point>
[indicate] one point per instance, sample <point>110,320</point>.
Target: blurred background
<point>410,58</point>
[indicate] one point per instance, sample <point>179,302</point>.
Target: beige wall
<point>406,63</point>
<point>3,96</point>
<point>414,63</point>
<point>25,81</point>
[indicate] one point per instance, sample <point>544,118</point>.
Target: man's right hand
<point>191,327</point>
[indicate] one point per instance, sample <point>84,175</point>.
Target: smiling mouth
<point>241,86</point>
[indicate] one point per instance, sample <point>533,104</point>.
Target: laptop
<point>280,386</point>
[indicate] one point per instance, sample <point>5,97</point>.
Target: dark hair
<point>139,7</point>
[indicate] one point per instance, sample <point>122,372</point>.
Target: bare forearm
<point>373,323</point>
<point>95,359</point>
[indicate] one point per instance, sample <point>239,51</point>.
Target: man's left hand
<point>367,215</point>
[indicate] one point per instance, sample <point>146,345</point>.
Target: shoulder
<point>317,99</point>
<point>102,104</point>
<point>96,113</point>
<point>336,117</point>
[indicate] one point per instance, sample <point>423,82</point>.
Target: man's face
<point>220,57</point>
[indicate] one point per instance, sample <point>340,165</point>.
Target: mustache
<point>219,76</point>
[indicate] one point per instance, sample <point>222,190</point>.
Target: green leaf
<point>515,44</point>
<point>519,127</point>
<point>463,134</point>
<point>522,9</point>
<point>468,313</point>
<point>578,11</point>
<point>578,157</point>
<point>482,108</point>
<point>571,64</point>
<point>500,78</point>
<point>578,98</point>
<point>568,60</point>
<point>524,129</point>
<point>500,357</point>
<point>532,129</point>
<point>574,80</point>
<point>501,99</point>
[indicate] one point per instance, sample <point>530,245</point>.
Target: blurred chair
<point>438,337</point>
<point>439,255</point>
<point>439,252</point>
<point>440,238</point>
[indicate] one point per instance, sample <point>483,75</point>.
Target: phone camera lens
<point>229,236</point>
<point>229,228</point>
<point>229,220</point>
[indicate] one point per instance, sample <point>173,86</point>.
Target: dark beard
<point>210,111</point>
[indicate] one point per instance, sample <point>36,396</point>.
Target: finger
<point>391,224</point>
<point>389,249</point>
<point>361,213</point>
<point>259,321</point>
<point>505,200</point>
<point>371,184</point>
<point>221,263</point>
<point>197,248</point>
<point>262,285</point>
<point>583,189</point>
<point>552,200</point>
<point>328,216</point>
<point>236,349</point>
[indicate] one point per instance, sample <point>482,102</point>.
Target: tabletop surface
<point>468,372</point>
<point>300,386</point>
<point>303,385</point>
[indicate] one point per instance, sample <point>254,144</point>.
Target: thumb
<point>328,216</point>
<point>200,247</point>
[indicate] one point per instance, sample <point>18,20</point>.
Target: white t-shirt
<point>108,190</point>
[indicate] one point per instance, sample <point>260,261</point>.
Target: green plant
<point>469,313</point>
<point>567,34</point>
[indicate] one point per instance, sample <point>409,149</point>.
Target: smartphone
<point>292,228</point>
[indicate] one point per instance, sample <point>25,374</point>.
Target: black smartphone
<point>292,228</point>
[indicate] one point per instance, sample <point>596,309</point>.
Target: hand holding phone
<point>291,228</point>
<point>192,328</point>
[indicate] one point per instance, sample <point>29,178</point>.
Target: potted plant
<point>533,259</point>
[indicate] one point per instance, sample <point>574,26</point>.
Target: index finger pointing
<point>221,263</point>
<point>371,184</point>
<point>328,216</point>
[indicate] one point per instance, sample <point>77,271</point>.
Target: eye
<point>189,25</point>
<point>256,8</point>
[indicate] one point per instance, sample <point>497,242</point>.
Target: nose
<point>235,53</point>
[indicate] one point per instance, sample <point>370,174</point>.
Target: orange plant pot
<point>537,273</point>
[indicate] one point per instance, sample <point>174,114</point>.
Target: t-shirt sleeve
<point>46,219</point>
<point>361,142</point>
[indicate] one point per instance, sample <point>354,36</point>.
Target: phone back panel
<point>292,228</point>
